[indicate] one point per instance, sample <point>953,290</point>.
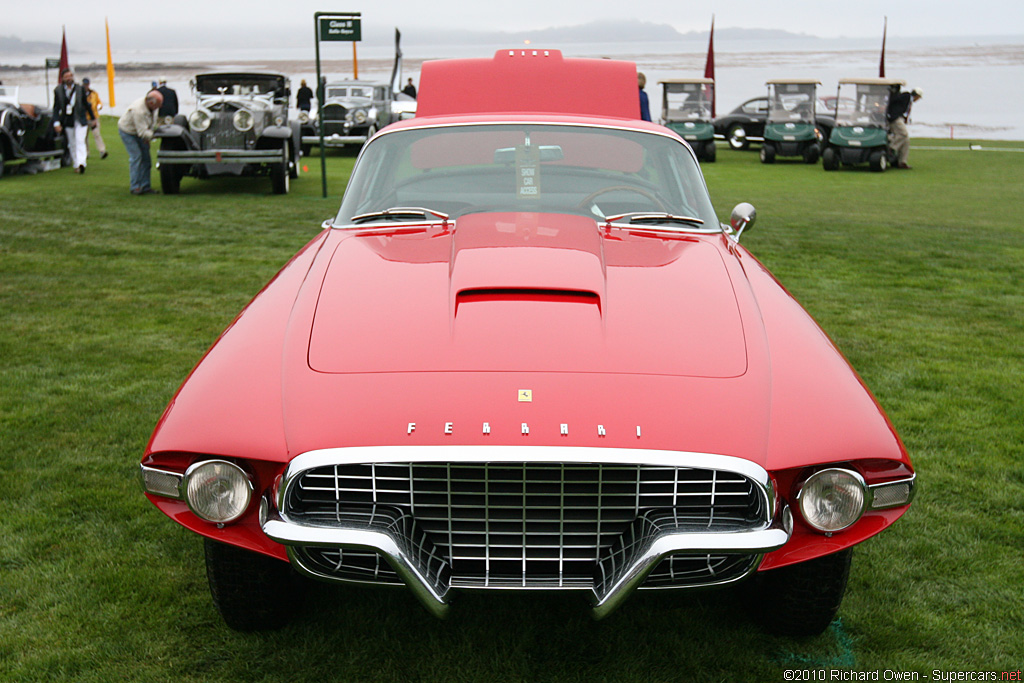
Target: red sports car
<point>526,355</point>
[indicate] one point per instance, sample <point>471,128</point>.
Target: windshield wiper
<point>400,213</point>
<point>654,217</point>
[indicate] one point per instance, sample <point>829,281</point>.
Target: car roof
<point>688,80</point>
<point>872,81</point>
<point>793,81</point>
<point>531,80</point>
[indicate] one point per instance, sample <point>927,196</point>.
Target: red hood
<point>527,292</point>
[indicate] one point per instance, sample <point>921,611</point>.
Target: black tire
<point>710,151</point>
<point>879,161</point>
<point>252,592</point>
<point>1,162</point>
<point>811,153</point>
<point>767,153</point>
<point>280,175</point>
<point>737,137</point>
<point>801,599</point>
<point>307,150</point>
<point>170,179</point>
<point>829,159</point>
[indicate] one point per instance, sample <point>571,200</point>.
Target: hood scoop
<point>527,292</point>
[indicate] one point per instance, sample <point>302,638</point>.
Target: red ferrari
<point>527,355</point>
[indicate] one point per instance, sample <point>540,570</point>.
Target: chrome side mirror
<point>329,223</point>
<point>743,217</point>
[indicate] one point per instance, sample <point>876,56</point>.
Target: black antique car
<point>240,127</point>
<point>26,135</point>
<point>352,111</point>
<point>745,124</point>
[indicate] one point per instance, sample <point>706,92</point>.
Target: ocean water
<point>969,83</point>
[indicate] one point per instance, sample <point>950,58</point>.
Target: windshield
<point>590,171</point>
<point>791,102</point>
<point>240,84</point>
<point>862,104</point>
<point>348,91</point>
<point>688,101</point>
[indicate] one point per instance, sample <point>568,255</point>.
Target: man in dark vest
<point>70,116</point>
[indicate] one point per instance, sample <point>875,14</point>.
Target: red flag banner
<point>881,63</point>
<point>709,64</point>
<point>63,51</point>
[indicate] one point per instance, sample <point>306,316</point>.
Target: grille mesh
<point>527,524</point>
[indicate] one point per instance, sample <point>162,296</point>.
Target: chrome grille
<point>222,133</point>
<point>529,524</point>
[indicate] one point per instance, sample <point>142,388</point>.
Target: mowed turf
<point>108,300</point>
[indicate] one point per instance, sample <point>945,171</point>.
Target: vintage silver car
<point>27,135</point>
<point>240,127</point>
<point>352,111</point>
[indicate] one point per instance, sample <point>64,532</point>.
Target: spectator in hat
<point>136,127</point>
<point>898,115</point>
<point>92,99</point>
<point>170,105</point>
<point>69,117</point>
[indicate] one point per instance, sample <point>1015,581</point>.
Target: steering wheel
<point>589,199</point>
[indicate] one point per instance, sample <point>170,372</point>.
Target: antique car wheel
<point>170,179</point>
<point>1,163</point>
<point>279,174</point>
<point>252,592</point>
<point>878,160</point>
<point>829,159</point>
<point>801,599</point>
<point>737,137</point>
<point>767,153</point>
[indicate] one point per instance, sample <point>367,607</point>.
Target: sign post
<point>51,63</point>
<point>333,26</point>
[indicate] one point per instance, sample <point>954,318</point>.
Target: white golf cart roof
<point>707,81</point>
<point>793,81</point>
<point>872,81</point>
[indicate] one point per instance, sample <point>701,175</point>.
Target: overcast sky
<point>159,23</point>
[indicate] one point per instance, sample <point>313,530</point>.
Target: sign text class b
<point>341,29</point>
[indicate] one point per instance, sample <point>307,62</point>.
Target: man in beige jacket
<point>136,127</point>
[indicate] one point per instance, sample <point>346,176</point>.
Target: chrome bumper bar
<point>334,140</point>
<point>222,156</point>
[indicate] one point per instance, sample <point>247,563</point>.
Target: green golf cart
<point>861,133</point>
<point>686,109</point>
<point>791,129</point>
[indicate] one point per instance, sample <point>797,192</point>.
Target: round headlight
<point>217,491</point>
<point>833,499</point>
<point>303,117</point>
<point>243,120</point>
<point>279,121</point>
<point>360,116</point>
<point>199,120</point>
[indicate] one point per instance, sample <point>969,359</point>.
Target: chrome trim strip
<point>226,156</point>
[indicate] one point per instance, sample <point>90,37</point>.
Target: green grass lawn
<point>108,300</point>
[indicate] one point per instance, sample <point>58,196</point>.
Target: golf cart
<point>862,127</point>
<point>791,129</point>
<point>686,109</point>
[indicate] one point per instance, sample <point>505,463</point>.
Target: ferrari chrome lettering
<point>524,429</point>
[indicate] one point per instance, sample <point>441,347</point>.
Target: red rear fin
<point>537,81</point>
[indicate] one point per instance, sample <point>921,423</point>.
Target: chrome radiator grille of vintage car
<point>526,525</point>
<point>333,117</point>
<point>222,133</point>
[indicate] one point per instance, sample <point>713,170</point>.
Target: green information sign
<point>343,29</point>
<point>52,63</point>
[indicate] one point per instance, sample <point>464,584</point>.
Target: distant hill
<point>13,45</point>
<point>628,31</point>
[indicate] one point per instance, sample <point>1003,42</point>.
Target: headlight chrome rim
<point>217,491</point>
<point>360,116</point>
<point>200,120</point>
<point>243,120</point>
<point>834,481</point>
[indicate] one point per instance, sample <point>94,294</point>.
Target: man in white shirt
<point>136,127</point>
<point>70,117</point>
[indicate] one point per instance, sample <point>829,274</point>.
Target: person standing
<point>69,109</point>
<point>645,105</point>
<point>136,127</point>
<point>410,89</point>
<point>94,104</point>
<point>170,105</point>
<point>898,115</point>
<point>304,97</point>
